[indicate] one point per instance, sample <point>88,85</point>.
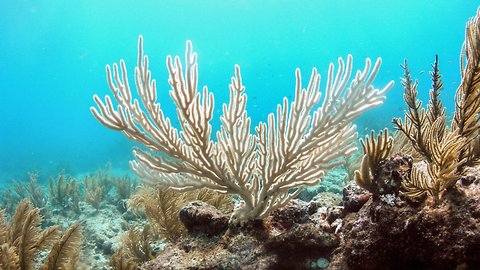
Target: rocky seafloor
<point>322,230</point>
<point>386,231</point>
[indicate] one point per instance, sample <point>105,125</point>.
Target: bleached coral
<point>266,169</point>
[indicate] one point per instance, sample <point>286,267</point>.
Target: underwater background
<point>53,56</point>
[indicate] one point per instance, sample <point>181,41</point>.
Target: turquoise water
<point>53,56</point>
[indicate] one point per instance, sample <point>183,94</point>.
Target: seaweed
<point>95,190</point>
<point>467,99</point>
<point>124,187</point>
<point>135,247</point>
<point>446,151</point>
<point>98,186</point>
<point>64,192</point>
<point>441,172</point>
<point>430,137</point>
<point>374,151</point>
<point>417,120</point>
<point>162,205</point>
<point>31,190</point>
<point>435,108</point>
<point>64,252</point>
<point>120,260</point>
<point>23,240</point>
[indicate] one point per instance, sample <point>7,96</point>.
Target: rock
<point>387,181</point>
<point>334,213</point>
<point>289,239</point>
<point>296,211</point>
<point>129,216</point>
<point>305,240</point>
<point>202,218</point>
<point>327,199</point>
<point>384,231</point>
<point>354,197</point>
<point>240,250</point>
<point>471,175</point>
<point>401,235</point>
<point>390,173</point>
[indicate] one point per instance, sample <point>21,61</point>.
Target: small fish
<point>421,72</point>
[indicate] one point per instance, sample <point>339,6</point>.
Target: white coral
<point>265,169</point>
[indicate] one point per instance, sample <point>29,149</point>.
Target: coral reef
<point>446,151</point>
<point>421,216</point>
<point>293,237</point>
<point>427,131</point>
<point>390,232</point>
<point>415,209</point>
<point>66,205</point>
<point>413,213</point>
<point>266,169</point>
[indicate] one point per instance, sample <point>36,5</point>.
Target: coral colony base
<point>230,203</point>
